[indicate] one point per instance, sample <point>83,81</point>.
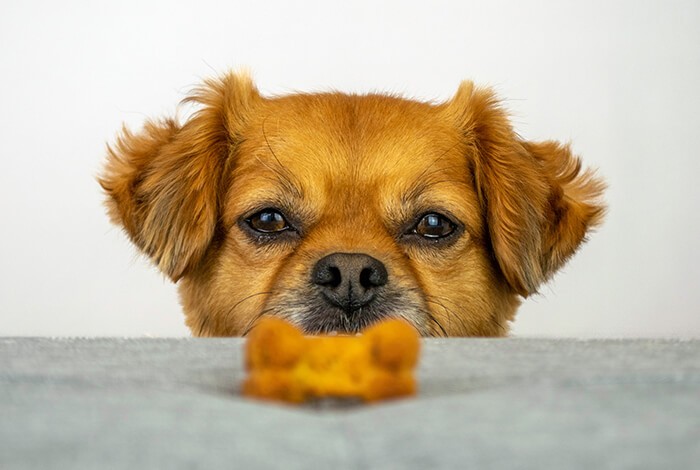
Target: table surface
<point>483,403</point>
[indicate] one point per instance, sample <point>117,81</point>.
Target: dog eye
<point>434,226</point>
<point>268,221</point>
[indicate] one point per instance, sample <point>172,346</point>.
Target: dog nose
<point>349,280</point>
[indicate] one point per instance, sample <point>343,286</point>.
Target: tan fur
<point>353,171</point>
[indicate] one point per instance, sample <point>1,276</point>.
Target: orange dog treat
<point>283,364</point>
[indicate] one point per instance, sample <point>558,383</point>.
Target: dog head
<point>334,211</point>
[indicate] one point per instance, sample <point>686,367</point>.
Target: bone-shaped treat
<point>285,365</point>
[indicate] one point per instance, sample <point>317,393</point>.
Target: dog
<point>333,211</point>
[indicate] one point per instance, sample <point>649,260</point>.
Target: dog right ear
<point>164,183</point>
<point>539,202</point>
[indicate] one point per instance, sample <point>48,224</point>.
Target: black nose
<point>349,280</point>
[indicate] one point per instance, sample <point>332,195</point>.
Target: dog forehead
<point>348,159</point>
<point>350,140</point>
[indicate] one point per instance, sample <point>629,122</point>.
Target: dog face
<point>334,211</point>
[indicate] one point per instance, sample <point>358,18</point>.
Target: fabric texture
<point>483,403</point>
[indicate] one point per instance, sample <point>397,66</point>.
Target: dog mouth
<point>329,320</point>
<point>314,315</point>
<point>344,326</point>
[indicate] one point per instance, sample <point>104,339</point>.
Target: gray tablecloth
<point>483,403</point>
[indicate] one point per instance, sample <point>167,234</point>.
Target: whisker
<point>248,297</point>
<point>451,313</point>
<point>433,319</point>
<point>283,172</point>
<point>411,322</point>
<point>503,329</point>
<point>254,320</point>
<point>233,308</point>
<point>432,164</point>
<point>203,325</point>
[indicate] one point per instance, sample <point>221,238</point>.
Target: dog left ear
<point>164,183</point>
<point>538,202</point>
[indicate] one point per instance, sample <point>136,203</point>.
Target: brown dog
<point>334,211</point>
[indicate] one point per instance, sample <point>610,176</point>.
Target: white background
<point>618,79</point>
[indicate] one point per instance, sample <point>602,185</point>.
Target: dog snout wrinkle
<point>349,280</point>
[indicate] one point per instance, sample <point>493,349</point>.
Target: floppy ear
<point>163,183</point>
<point>539,204</point>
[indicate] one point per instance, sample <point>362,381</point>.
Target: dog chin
<point>332,320</point>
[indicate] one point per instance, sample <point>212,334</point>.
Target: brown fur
<point>352,172</point>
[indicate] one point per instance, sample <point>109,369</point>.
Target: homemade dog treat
<point>285,365</point>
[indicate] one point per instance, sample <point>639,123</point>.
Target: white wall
<point>620,79</point>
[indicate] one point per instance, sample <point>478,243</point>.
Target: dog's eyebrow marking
<point>421,185</point>
<point>286,177</point>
